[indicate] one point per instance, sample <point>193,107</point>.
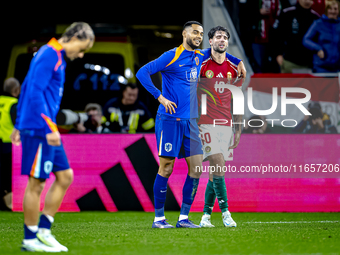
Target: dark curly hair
<point>218,28</point>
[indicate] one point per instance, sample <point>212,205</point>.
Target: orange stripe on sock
<point>50,123</point>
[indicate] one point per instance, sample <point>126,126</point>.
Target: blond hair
<point>329,4</point>
<point>81,30</point>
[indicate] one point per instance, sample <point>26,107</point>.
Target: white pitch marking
<point>292,222</point>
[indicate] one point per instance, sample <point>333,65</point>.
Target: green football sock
<point>221,192</point>
<point>210,198</point>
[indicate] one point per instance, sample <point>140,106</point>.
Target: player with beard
<point>217,139</point>
<point>176,129</point>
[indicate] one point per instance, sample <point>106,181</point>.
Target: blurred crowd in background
<point>286,35</point>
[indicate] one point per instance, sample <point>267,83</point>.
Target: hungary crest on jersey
<point>209,74</point>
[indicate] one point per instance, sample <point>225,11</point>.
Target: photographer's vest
<point>6,125</point>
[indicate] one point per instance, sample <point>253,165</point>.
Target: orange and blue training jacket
<point>42,90</point>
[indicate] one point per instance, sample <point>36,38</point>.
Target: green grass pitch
<point>131,233</point>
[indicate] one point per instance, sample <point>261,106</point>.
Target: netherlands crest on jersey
<point>168,147</point>
<point>197,60</point>
<point>209,74</point>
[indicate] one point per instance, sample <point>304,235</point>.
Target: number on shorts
<point>207,138</point>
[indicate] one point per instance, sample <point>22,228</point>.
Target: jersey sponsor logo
<point>181,65</point>
<point>192,76</point>
<point>220,75</point>
<point>168,147</point>
<point>209,74</point>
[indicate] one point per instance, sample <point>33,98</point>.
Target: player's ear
<point>184,33</point>
<point>73,39</point>
<point>210,42</point>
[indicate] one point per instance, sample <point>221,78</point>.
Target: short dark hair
<point>189,23</point>
<point>314,105</point>
<point>10,84</point>
<point>316,113</point>
<point>131,85</point>
<point>218,28</point>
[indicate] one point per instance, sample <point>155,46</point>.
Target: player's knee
<point>166,170</point>
<point>217,162</point>
<point>65,178</point>
<point>216,159</point>
<point>195,174</point>
<point>36,185</point>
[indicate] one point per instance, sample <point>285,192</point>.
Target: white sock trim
<point>159,218</point>
<point>50,218</point>
<point>183,217</point>
<point>33,229</point>
<point>30,241</point>
<point>44,231</point>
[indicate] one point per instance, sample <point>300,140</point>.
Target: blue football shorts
<point>40,159</point>
<point>177,137</point>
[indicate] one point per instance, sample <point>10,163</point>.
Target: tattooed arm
<point>238,130</point>
<point>238,127</point>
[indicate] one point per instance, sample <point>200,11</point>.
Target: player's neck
<point>61,42</point>
<point>218,57</point>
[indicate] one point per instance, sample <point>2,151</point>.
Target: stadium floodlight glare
<point>128,73</point>
<point>122,80</point>
<point>98,68</point>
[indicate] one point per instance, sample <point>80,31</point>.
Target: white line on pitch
<point>291,222</point>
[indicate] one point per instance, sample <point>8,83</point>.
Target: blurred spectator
<point>289,32</point>
<point>318,122</point>
<point>323,38</point>
<point>320,125</point>
<point>287,3</point>
<point>319,6</point>
<point>263,15</point>
<point>256,125</point>
<point>94,124</point>
<point>306,124</point>
<point>8,112</point>
<point>126,114</point>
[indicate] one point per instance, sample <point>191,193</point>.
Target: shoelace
<point>189,221</point>
<point>165,221</point>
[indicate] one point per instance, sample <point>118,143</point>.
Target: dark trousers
<point>5,171</point>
